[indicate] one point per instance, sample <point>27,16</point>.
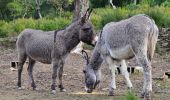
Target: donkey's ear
<point>86,15</point>
<point>89,13</point>
<point>85,56</point>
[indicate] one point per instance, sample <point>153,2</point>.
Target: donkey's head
<point>92,77</point>
<point>87,33</point>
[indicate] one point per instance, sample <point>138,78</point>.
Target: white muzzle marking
<point>95,40</point>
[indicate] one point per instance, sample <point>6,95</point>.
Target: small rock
<point>13,69</point>
<point>105,89</point>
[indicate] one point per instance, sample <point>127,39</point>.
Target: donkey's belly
<point>42,55</point>
<point>44,60</point>
<point>41,58</point>
<point>122,53</point>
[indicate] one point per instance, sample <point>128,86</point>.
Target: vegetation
<point>130,96</point>
<point>16,15</point>
<point>102,16</point>
<point>13,28</point>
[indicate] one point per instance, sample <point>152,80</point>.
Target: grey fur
<point>136,36</point>
<point>40,46</point>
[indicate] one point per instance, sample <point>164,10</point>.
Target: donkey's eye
<point>84,71</point>
<point>85,29</point>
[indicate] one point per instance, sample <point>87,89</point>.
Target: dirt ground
<point>73,80</point>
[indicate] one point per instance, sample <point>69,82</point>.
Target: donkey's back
<point>122,38</point>
<point>35,44</point>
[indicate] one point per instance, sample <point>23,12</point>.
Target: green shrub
<point>106,15</point>
<point>160,17</point>
<point>2,22</point>
<point>5,29</point>
<point>96,20</point>
<point>13,28</point>
<point>132,6</point>
<point>52,24</point>
<point>2,34</point>
<point>100,17</point>
<point>15,9</point>
<point>103,16</point>
<point>130,96</point>
<point>166,3</point>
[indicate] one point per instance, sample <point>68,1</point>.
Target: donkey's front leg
<point>60,74</point>
<point>56,65</point>
<point>112,71</point>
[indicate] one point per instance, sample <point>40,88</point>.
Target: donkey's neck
<point>96,59</point>
<point>71,34</point>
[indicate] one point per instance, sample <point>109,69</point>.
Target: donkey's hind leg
<point>30,69</point>
<point>112,68</point>
<point>22,58</point>
<point>125,73</point>
<point>141,56</point>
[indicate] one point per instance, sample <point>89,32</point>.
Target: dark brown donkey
<point>37,45</point>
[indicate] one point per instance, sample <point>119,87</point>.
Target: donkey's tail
<point>152,40</point>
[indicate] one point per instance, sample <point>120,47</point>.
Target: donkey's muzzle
<point>89,90</point>
<point>93,44</point>
<point>97,82</point>
<point>94,41</point>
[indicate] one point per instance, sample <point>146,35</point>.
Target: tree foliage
<point>13,9</point>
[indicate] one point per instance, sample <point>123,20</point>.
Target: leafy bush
<point>13,28</point>
<point>100,17</point>
<point>96,20</point>
<point>166,3</point>
<point>130,96</point>
<point>15,9</point>
<point>103,16</point>
<point>2,34</point>
<point>49,24</point>
<point>5,29</point>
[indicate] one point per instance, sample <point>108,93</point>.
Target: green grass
<point>130,96</point>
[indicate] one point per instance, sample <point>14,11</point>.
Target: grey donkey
<point>132,37</point>
<point>52,47</point>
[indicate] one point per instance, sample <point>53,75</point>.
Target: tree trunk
<point>80,8</point>
<point>26,9</point>
<point>111,2</point>
<point>38,14</point>
<point>135,2</point>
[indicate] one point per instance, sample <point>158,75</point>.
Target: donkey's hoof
<point>111,93</point>
<point>130,88</point>
<point>62,90</point>
<point>142,95</point>
<point>21,88</point>
<point>146,96</point>
<point>53,92</point>
<point>35,89</point>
